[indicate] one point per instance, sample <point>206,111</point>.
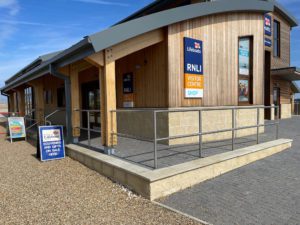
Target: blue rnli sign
<point>193,68</point>
<point>268,25</point>
<point>51,143</point>
<point>268,42</point>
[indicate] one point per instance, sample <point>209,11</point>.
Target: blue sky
<point>29,28</point>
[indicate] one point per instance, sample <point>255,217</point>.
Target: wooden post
<point>102,97</point>
<point>21,101</point>
<point>11,102</point>
<point>39,100</point>
<point>109,97</point>
<point>75,100</point>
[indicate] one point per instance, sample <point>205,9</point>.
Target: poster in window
<point>243,90</point>
<point>244,56</point>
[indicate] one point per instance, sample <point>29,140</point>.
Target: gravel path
<point>66,192</point>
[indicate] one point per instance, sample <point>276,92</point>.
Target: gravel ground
<point>66,192</point>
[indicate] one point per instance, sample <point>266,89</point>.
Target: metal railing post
<point>277,126</point>
<point>200,134</point>
<point>154,139</point>
<point>233,128</point>
<point>257,129</point>
<point>89,127</point>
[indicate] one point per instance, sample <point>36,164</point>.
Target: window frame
<point>277,40</point>
<point>249,77</point>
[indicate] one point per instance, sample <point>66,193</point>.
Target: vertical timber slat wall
<point>219,34</point>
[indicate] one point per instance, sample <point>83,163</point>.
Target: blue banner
<point>268,25</point>
<point>51,143</point>
<point>193,56</point>
<point>268,42</point>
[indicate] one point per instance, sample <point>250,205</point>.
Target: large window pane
<point>243,90</point>
<point>244,56</point>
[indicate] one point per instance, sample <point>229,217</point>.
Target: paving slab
<point>265,192</point>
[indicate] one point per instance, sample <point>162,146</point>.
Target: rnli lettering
<point>193,68</point>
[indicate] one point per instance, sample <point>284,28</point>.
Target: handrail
<point>52,114</point>
<point>200,133</point>
<point>88,128</point>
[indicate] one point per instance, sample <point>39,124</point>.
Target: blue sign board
<point>193,68</point>
<point>268,42</point>
<point>268,25</point>
<point>51,143</point>
<point>128,83</point>
<point>193,56</point>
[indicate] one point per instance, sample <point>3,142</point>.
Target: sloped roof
<point>132,28</point>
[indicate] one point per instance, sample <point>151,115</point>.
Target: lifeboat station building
<point>169,72</point>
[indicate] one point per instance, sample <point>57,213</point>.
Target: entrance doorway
<point>276,101</point>
<point>91,101</point>
<point>267,84</point>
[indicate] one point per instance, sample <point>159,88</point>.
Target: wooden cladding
<point>283,60</point>
<point>220,35</point>
<point>149,69</point>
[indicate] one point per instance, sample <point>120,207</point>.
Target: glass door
<point>276,101</point>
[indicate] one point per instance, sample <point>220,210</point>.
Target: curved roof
<point>124,31</point>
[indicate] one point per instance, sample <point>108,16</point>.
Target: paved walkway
<point>266,192</point>
<point>66,192</point>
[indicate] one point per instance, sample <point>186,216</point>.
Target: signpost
<point>193,68</point>
<point>16,128</point>
<point>51,143</point>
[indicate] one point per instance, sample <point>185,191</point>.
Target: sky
<point>30,28</point>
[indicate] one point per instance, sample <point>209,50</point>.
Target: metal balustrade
<point>200,132</point>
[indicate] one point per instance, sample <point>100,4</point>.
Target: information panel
<point>16,127</point>
<point>268,25</point>
<point>52,145</point>
<point>193,68</point>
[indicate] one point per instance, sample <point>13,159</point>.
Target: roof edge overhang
<point>288,73</point>
<point>122,32</point>
<point>133,28</point>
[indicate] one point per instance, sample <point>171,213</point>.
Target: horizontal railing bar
<point>194,109</point>
<point>87,110</point>
<point>132,137</point>
<point>86,129</point>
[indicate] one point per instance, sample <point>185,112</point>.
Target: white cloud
<point>100,2</point>
<point>11,5</point>
<point>29,23</point>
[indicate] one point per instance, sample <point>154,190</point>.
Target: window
<point>276,36</point>
<point>29,102</point>
<point>48,97</point>
<point>245,70</point>
<point>61,98</point>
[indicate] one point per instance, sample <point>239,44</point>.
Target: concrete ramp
<point>155,184</point>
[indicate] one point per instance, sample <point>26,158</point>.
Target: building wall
<point>220,34</point>
<point>149,70</point>
<point>285,53</point>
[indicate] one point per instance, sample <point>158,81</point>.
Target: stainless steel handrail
<point>47,122</point>
<point>88,128</point>
<point>200,133</point>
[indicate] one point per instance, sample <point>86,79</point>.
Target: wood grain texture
<point>220,34</point>
<point>285,48</point>
<point>149,69</point>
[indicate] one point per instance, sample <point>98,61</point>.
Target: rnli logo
<point>197,45</point>
<point>268,22</point>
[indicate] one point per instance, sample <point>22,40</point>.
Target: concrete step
<point>155,184</point>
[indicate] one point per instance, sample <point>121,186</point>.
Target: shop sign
<point>193,68</point>
<point>268,25</point>
<point>16,127</point>
<point>128,101</point>
<point>244,56</point>
<point>51,143</point>
<point>268,42</point>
